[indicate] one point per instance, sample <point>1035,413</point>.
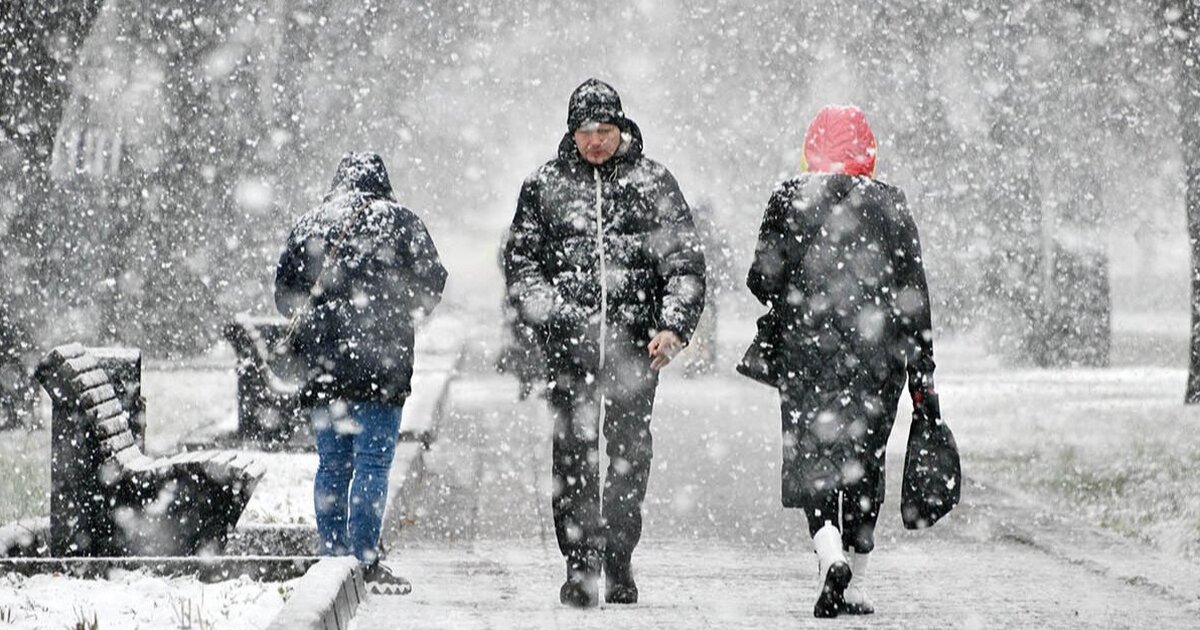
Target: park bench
<point>108,498</point>
<point>268,382</point>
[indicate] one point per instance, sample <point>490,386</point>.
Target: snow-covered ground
<point>719,551</point>
<point>1113,447</point>
<point>1116,447</point>
<point>132,600</point>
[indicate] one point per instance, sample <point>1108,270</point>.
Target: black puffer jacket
<point>357,335</point>
<point>839,263</point>
<point>648,262</point>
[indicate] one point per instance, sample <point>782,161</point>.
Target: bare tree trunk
<point>1189,127</point>
<point>38,45</point>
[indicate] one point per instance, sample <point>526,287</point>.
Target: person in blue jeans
<point>356,442</point>
<point>355,274</point>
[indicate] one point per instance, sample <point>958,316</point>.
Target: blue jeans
<point>355,443</point>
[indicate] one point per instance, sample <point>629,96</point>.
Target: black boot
<point>384,581</point>
<point>582,588</point>
<point>834,570</point>
<point>618,578</point>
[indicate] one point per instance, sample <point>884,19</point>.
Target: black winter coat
<point>839,263</point>
<point>357,336</point>
<point>648,264</point>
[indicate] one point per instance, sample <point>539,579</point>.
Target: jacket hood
<point>839,140</point>
<point>362,173</point>
<point>595,101</point>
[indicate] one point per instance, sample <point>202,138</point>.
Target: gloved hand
<point>924,396</point>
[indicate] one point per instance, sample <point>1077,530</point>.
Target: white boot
<point>834,571</point>
<point>857,602</point>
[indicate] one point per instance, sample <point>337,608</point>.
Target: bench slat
<point>88,380</point>
<point>239,465</point>
<point>98,395</point>
<point>110,427</point>
<point>117,443</point>
<point>256,470</point>
<point>103,411</point>
<point>66,352</point>
<point>79,365</point>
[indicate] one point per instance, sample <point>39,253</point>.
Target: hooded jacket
<point>366,266</point>
<point>603,251</point>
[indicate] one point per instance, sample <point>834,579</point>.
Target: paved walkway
<point>718,551</point>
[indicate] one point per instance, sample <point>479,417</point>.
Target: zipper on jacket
<point>603,267</point>
<point>603,316</point>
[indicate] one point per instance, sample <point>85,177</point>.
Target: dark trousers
<point>587,519</point>
<point>831,474</point>
<point>852,510</point>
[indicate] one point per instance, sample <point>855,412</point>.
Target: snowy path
<point>718,551</point>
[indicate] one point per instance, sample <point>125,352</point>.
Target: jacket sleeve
<point>529,289</point>
<point>768,275</point>
<point>294,276</point>
<point>912,302</point>
<point>424,265</point>
<point>681,265</point>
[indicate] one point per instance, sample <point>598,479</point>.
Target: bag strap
<point>331,255</point>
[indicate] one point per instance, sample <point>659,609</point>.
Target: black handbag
<point>932,470</point>
<point>758,362</point>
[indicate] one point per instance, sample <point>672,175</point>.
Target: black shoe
<point>831,601</point>
<point>582,588</point>
<point>619,585</point>
<point>384,582</point>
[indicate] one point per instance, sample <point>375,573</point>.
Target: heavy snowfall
<point>157,154</point>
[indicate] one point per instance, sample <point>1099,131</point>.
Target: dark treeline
<point>144,198</point>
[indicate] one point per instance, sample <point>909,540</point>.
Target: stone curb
<point>325,598</point>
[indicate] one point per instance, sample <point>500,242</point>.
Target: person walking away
<point>838,262</point>
<point>603,261</point>
<point>355,274</point>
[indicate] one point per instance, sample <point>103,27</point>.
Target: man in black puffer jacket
<point>354,274</point>
<point>603,262</point>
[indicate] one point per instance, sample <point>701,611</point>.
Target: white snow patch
<point>133,599</point>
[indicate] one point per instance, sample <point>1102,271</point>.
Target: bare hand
<point>663,347</point>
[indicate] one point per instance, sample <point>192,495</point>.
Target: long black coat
<point>653,264</point>
<point>357,337</point>
<point>839,262</point>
